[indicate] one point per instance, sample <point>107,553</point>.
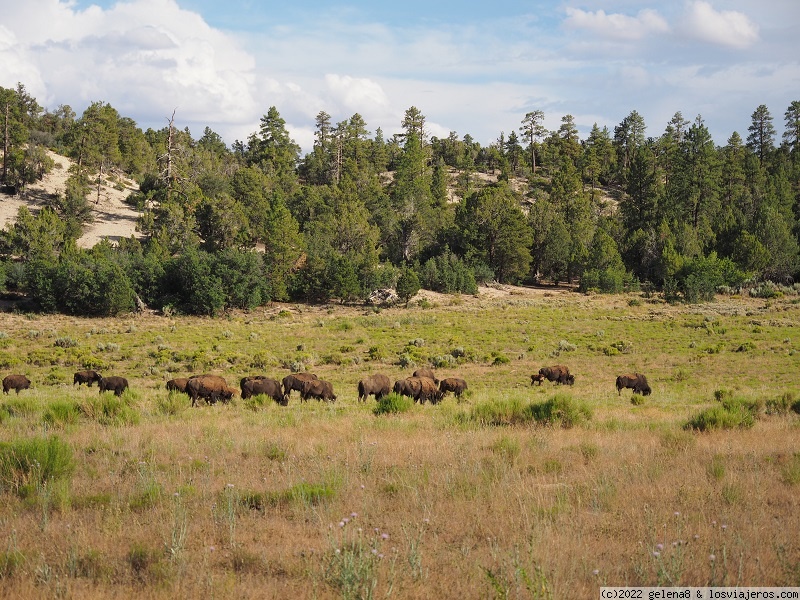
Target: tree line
<point>242,225</point>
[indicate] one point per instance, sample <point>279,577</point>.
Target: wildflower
<point>353,515</point>
<point>696,536</point>
<point>724,527</point>
<point>362,486</point>
<point>711,557</point>
<point>341,523</point>
<point>345,520</point>
<point>374,551</point>
<point>596,572</point>
<point>230,485</point>
<point>656,554</point>
<point>211,548</point>
<point>426,521</point>
<point>338,551</point>
<point>176,494</point>
<point>659,547</point>
<point>677,513</point>
<point>380,555</point>
<point>384,536</point>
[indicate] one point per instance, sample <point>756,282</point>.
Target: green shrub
<point>27,464</point>
<point>19,407</point>
<point>561,411</point>
<point>109,409</point>
<point>10,561</point>
<point>172,404</point>
<point>499,412</point>
<point>781,405</point>
<point>60,413</point>
<point>310,494</point>
<point>393,404</point>
<point>732,413</point>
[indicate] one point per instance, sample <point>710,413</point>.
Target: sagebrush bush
<point>393,404</point>
<point>61,412</point>
<point>108,409</point>
<point>731,413</point>
<point>27,464</point>
<point>561,411</point>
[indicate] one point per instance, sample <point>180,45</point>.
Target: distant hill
<point>112,218</point>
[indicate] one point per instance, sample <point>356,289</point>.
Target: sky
<point>470,67</point>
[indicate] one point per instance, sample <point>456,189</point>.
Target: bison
<point>263,385</point>
<point>637,382</point>
<point>452,384</point>
<point>15,382</point>
<point>210,388</point>
<point>537,378</point>
<point>426,373</point>
<point>87,377</point>
<point>177,385</point>
<point>420,389</point>
<point>113,384</point>
<point>376,385</point>
<point>295,382</point>
<point>557,373</point>
<point>319,389</point>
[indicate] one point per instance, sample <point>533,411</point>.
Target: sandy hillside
<point>112,218</point>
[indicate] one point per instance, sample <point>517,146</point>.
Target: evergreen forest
<point>237,226</point>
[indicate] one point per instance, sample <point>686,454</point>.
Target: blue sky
<point>471,67</point>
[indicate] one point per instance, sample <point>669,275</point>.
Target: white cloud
<point>144,57</point>
<point>726,28</point>
<point>360,95</point>
<point>617,26</point>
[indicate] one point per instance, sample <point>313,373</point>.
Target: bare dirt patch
<point>112,218</point>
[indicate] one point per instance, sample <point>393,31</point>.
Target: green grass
<point>28,464</point>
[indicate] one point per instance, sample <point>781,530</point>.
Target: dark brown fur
<point>178,385</point>
<point>557,373</point>
<point>209,387</point>
<point>263,385</point>
<point>113,384</point>
<point>636,381</point>
<point>87,377</point>
<point>295,382</point>
<point>16,383</point>
<point>319,389</point>
<point>452,384</point>
<point>377,385</point>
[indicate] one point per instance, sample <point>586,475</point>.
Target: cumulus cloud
<point>143,57</point>
<point>617,26</point>
<point>726,27</point>
<point>357,94</point>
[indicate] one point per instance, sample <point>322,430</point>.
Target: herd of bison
<point>422,386</point>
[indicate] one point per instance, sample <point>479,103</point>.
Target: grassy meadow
<point>519,491</point>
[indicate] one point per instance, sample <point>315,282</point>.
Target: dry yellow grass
<point>200,502</point>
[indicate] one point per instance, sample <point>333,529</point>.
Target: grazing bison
<point>557,373</point>
<point>376,385</point>
<point>420,389</point>
<point>319,389</point>
<point>426,373</point>
<point>87,377</point>
<point>210,388</point>
<point>178,385</point>
<point>452,384</point>
<point>263,385</point>
<point>251,378</point>
<point>537,378</point>
<point>15,382</point>
<point>113,384</point>
<point>637,382</point>
<point>295,382</point>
